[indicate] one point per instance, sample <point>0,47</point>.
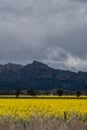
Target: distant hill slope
<point>40,76</point>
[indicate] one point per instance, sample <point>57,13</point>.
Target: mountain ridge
<point>38,75</point>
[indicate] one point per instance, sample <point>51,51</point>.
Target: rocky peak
<point>39,64</point>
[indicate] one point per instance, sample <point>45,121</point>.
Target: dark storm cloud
<point>51,31</point>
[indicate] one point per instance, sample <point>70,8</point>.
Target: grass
<point>42,97</point>
<point>40,123</point>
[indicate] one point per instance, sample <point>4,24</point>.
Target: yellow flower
<point>25,108</point>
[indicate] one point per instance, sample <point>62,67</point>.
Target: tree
<point>78,93</point>
<point>59,92</point>
<point>31,92</point>
<point>18,92</point>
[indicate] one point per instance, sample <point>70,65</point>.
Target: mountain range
<point>40,76</point>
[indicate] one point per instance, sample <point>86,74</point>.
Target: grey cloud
<point>52,31</point>
<point>80,0</point>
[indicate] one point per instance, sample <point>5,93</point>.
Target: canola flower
<point>25,108</point>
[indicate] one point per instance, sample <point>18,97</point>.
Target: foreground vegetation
<point>40,123</point>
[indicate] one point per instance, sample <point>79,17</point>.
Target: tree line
<point>32,92</point>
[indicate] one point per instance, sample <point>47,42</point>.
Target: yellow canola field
<point>25,108</point>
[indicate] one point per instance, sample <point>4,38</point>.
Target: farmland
<point>26,108</point>
<point>43,113</point>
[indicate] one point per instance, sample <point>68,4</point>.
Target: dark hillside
<point>40,76</point>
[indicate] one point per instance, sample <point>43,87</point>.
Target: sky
<point>51,31</point>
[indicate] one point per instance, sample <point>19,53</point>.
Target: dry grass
<point>38,123</point>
